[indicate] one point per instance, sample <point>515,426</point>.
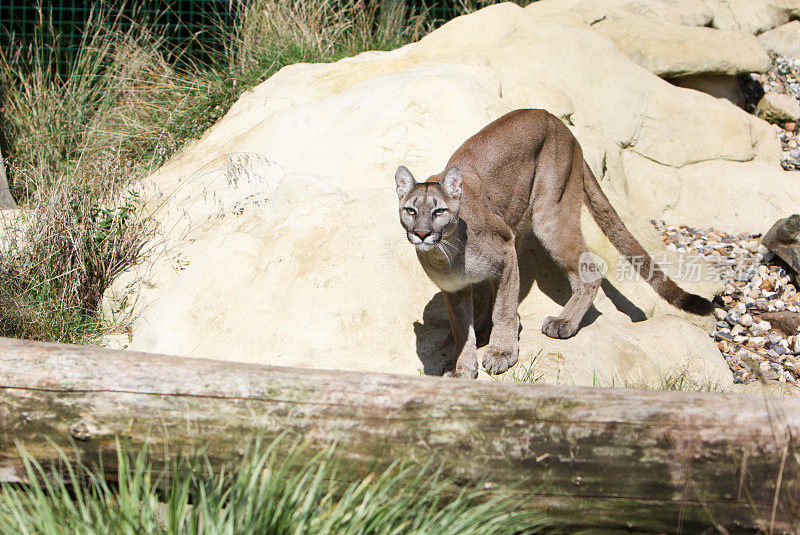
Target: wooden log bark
<point>650,461</point>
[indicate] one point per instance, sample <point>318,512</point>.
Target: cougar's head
<point>428,210</point>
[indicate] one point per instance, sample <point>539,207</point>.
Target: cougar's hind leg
<point>557,200</point>
<point>564,241</point>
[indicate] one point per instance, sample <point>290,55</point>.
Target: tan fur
<point>523,171</point>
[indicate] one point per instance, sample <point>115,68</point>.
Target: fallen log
<point>649,461</point>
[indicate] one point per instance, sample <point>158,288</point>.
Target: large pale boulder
<point>281,242</point>
<point>783,40</point>
<point>672,50</point>
<point>672,39</point>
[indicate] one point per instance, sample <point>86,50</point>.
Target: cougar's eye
<point>439,211</point>
<point>409,210</point>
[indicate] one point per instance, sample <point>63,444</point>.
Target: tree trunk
<point>651,461</point>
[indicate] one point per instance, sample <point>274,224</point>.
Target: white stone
<point>778,107</point>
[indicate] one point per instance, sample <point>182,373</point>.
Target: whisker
<point>444,252</point>
<point>461,243</point>
<point>452,245</point>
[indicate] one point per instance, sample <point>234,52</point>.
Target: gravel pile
<point>758,313</point>
<point>783,77</point>
<point>791,148</point>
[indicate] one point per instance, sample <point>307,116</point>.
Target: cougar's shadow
<point>434,339</point>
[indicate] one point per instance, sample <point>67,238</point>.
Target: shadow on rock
<point>434,339</point>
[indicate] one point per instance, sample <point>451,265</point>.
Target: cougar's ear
<point>405,181</point>
<point>451,182</point>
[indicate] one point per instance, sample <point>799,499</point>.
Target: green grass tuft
<point>267,493</point>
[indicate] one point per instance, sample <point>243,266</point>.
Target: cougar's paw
<point>555,327</point>
<point>497,361</point>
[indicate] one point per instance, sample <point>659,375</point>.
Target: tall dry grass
<point>76,140</point>
<point>114,102</point>
<point>267,35</point>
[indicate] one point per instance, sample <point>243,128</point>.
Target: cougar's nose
<point>422,234</point>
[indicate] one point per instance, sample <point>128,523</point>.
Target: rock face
<point>673,50</point>
<point>783,40</point>
<point>281,242</point>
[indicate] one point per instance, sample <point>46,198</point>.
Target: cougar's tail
<point>623,240</point>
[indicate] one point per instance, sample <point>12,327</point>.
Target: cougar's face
<point>428,210</point>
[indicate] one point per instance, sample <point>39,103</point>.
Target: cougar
<point>523,172</point>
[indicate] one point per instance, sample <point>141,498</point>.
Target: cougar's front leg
<point>503,349</point>
<point>464,360</point>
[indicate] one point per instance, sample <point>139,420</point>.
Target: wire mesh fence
<point>182,22</point>
<point>179,21</point>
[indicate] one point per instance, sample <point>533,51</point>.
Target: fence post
<point>6,200</point>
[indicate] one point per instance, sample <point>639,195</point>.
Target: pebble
<point>774,338</point>
<point>754,282</point>
<point>746,320</point>
<point>721,336</point>
<point>733,317</point>
<point>783,77</point>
